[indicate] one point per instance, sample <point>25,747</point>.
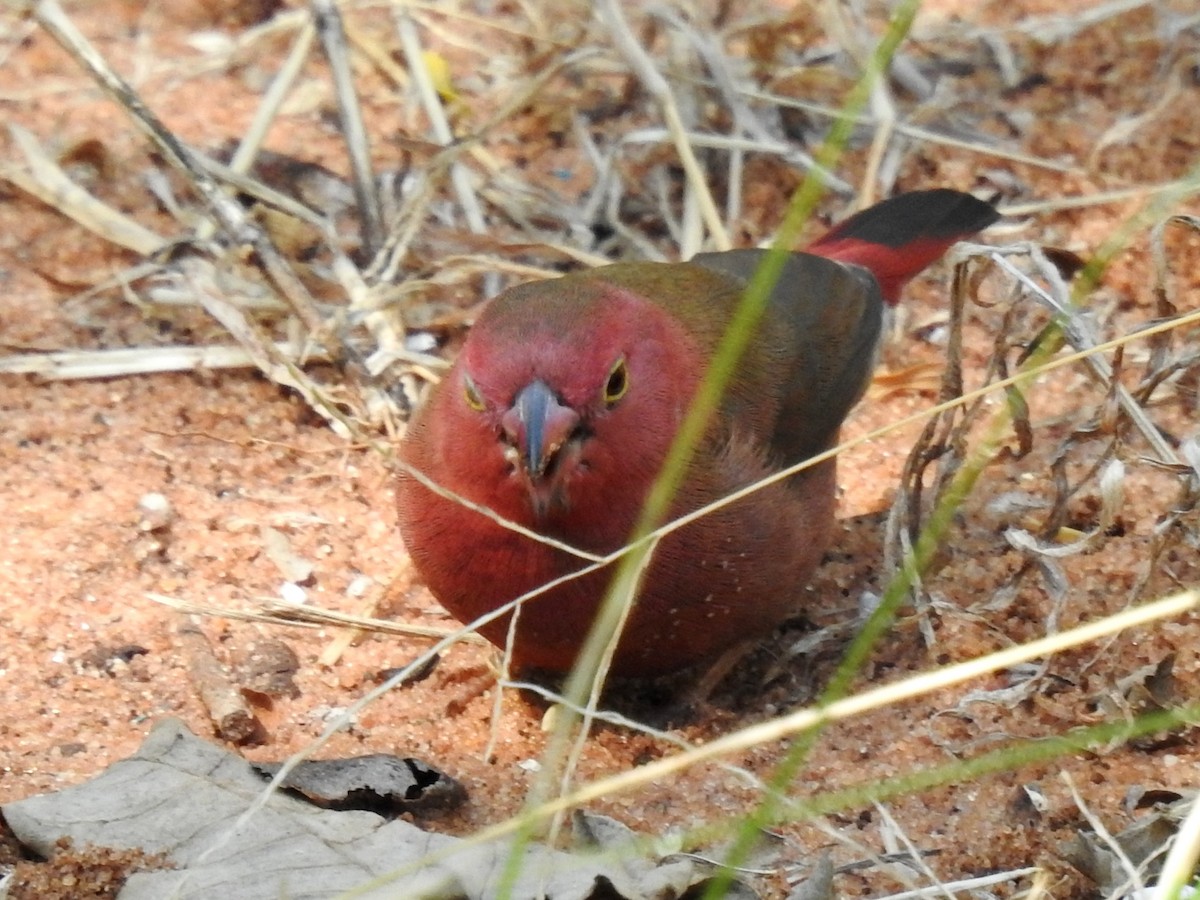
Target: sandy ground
<point>88,663</point>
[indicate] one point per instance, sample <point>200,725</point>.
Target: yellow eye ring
<point>471,394</point>
<point>618,382</point>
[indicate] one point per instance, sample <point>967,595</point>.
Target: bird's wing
<point>827,318</point>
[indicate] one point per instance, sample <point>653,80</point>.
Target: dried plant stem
<point>280,612</point>
<point>268,109</point>
<point>966,886</point>
<point>1180,866</point>
<point>69,365</point>
<point>885,118</point>
<point>230,713</point>
<point>735,94</point>
<point>252,187</point>
<point>886,696</point>
<point>224,209</point>
<point>1134,877</point>
<point>201,278</point>
<point>1099,366</point>
<point>49,183</point>
<point>459,177</point>
<point>653,81</point>
<point>329,25</point>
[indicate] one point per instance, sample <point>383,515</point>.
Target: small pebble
<point>293,593</point>
<point>154,512</point>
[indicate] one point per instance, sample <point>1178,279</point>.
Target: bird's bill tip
<point>537,425</point>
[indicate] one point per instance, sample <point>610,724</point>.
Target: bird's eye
<point>471,394</point>
<point>618,382</point>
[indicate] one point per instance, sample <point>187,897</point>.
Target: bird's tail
<point>899,237</point>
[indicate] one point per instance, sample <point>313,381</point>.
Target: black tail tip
<point>934,213</point>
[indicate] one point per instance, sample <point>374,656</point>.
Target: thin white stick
<point>1180,866</point>
<point>635,55</point>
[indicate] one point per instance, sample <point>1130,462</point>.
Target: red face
<point>563,416</point>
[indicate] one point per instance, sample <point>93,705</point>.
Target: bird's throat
<point>549,491</point>
<point>547,502</point>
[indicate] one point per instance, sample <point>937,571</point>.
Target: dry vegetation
<point>531,139</point>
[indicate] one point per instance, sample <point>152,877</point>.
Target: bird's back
<point>822,322</point>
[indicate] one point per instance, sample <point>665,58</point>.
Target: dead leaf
<point>191,801</point>
<point>378,782</point>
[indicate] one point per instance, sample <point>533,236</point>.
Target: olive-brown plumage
<point>567,394</point>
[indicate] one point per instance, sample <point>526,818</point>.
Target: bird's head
<point>575,388</point>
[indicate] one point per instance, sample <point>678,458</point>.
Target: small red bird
<point>560,409</point>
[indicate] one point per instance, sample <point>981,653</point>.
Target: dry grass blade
<point>203,280</point>
<point>1057,28</point>
<point>657,85</point>
<point>897,843</point>
<point>907,129</point>
<point>50,184</point>
<point>232,177</point>
<point>877,698</point>
<point>1180,866</point>
<point>75,364</point>
<point>1080,337</point>
<point>1178,188</point>
<point>410,41</point>
<point>735,92</point>
<point>243,157</point>
<point>1133,875</point>
<point>228,214</point>
<point>953,888</point>
<point>272,611</point>
<point>333,39</point>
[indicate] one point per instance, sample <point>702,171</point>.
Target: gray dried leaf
<point>818,885</point>
<point>190,800</point>
<point>1144,843</point>
<point>1148,689</point>
<point>1028,805</point>
<point>596,832</point>
<point>378,782</point>
<point>672,875</point>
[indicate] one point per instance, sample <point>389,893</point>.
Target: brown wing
<point>829,316</point>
